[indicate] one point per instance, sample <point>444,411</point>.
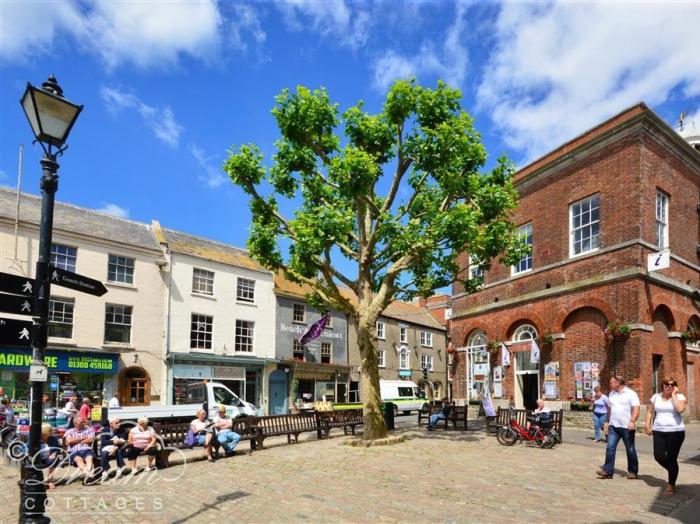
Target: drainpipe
<point>169,381</point>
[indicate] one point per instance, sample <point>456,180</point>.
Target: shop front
<point>75,372</point>
<point>242,375</point>
<point>317,383</point>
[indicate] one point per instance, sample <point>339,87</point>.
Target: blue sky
<point>169,86</point>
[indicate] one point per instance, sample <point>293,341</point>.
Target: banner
<point>534,352</point>
<point>315,329</point>
<point>65,361</point>
<point>505,355</point>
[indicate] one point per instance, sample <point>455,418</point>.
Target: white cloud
<point>560,68</point>
<point>212,177</point>
<point>114,209</point>
<point>448,61</point>
<point>330,18</point>
<point>244,19</point>
<point>160,120</point>
<point>146,34</point>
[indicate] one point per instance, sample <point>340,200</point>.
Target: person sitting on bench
<point>203,432</point>
<point>444,412</point>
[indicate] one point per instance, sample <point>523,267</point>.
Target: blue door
<point>278,393</point>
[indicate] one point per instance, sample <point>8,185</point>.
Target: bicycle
<point>508,435</point>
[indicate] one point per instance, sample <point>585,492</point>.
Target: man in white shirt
<point>114,402</point>
<point>621,424</point>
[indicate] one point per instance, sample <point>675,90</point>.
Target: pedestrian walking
<point>665,423</point>
<point>600,412</point>
<point>621,425</point>
<point>85,409</point>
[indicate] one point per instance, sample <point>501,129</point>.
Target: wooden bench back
<point>285,424</point>
<point>172,434</point>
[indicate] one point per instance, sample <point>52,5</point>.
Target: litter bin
<point>388,408</point>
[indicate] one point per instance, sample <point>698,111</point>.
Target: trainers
<point>631,476</point>
<point>105,475</point>
<point>119,473</point>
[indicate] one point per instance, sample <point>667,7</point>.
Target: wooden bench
<point>342,418</point>
<point>457,416</point>
<point>171,436</point>
<point>504,416</point>
<point>291,425</point>
<point>426,412</point>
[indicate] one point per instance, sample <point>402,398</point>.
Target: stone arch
<point>591,302</point>
<point>477,325</point>
<point>533,320</point>
<point>134,386</point>
<point>662,313</point>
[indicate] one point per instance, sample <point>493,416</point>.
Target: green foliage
<point>422,145</point>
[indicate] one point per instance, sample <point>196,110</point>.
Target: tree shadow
<point>220,499</point>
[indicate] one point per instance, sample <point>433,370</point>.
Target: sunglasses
<point>669,385</point>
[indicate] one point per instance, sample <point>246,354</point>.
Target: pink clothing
<point>84,412</point>
<point>140,438</point>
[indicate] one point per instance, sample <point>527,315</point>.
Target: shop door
<point>278,393</point>
<point>527,381</point>
<point>135,388</point>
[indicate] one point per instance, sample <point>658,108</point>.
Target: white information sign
<point>659,260</point>
<point>38,372</point>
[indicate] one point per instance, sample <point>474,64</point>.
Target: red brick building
<point>593,209</point>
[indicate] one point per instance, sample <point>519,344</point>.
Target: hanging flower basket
<point>617,329</point>
<point>692,336</point>
<point>493,346</point>
<point>451,350</point>
<point>545,340</point>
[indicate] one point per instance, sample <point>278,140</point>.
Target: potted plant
<point>617,329</point>
<point>692,335</point>
<point>545,340</point>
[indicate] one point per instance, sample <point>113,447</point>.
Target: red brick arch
<point>477,325</point>
<point>595,303</point>
<point>659,298</point>
<point>669,315</point>
<point>528,318</point>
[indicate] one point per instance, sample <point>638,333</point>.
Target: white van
<point>404,394</point>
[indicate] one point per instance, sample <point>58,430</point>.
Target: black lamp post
<point>51,117</point>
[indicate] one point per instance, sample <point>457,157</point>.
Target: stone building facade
<point>596,211</point>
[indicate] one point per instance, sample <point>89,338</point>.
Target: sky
<point>169,86</point>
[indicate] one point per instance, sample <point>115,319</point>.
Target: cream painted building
<point>220,317</point>
<point>97,345</point>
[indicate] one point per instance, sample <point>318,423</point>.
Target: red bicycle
<point>510,434</point>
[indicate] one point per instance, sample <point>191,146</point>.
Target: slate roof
<point>78,220</point>
<point>195,246</point>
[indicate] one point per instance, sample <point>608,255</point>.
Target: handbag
<point>189,439</point>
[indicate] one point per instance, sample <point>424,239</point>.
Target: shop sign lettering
<point>60,361</point>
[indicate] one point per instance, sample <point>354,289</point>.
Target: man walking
<point>621,424</point>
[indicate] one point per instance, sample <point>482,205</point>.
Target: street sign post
<point>15,332</point>
<point>16,304</point>
<point>16,284</point>
<point>38,372</point>
<point>71,280</point>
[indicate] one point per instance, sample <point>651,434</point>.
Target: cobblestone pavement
<point>439,476</point>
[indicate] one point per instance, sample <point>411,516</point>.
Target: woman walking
<point>600,412</point>
<point>665,410</point>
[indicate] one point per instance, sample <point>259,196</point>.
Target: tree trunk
<point>371,398</point>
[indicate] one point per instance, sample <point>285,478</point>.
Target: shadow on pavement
<point>221,499</point>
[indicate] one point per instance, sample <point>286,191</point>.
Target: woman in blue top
<point>600,412</point>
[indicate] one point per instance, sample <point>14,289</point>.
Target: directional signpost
<point>64,278</point>
<point>16,304</point>
<point>16,285</point>
<point>15,332</point>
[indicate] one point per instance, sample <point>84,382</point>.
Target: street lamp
<point>51,117</point>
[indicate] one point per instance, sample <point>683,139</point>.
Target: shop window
<point>380,358</point>
<point>120,269</point>
<point>201,331</point>
<point>326,352</point>
<point>118,323</point>
<point>202,281</point>
<point>245,331</point>
<point>381,330</point>
<point>299,313</point>
<point>64,257</point>
<point>426,339</point>
<point>524,233</point>
<point>403,335</point>
<point>245,290</point>
<point>584,226</point>
<point>298,351</point>
<point>61,317</point>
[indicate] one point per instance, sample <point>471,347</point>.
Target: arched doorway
<point>477,366</point>
<point>278,392</point>
<point>527,373</point>
<point>134,387</point>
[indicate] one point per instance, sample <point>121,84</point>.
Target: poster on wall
<point>498,374</point>
<point>587,377</point>
<point>578,367</point>
<point>551,371</point>
<point>497,390</point>
<point>550,389</point>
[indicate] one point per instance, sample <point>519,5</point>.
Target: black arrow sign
<point>16,285</point>
<point>15,332</point>
<point>16,304</point>
<point>64,278</point>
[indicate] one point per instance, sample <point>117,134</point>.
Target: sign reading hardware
<point>16,304</point>
<point>64,278</point>
<point>15,332</point>
<point>64,361</point>
<point>16,285</point>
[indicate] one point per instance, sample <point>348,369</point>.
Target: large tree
<point>399,196</point>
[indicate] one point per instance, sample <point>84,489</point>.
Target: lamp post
<point>51,117</point>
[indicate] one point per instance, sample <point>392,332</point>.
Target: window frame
<point>381,358</point>
<point>65,266</point>
<point>297,348</point>
<point>516,270</point>
<point>475,270</point>
<point>294,312</point>
<point>208,334</point>
<point>114,323</point>
<point>403,330</point>
<point>426,342</point>
<point>661,221</point>
<point>250,325</point>
<point>383,330</point>
<point>117,265</point>
<point>589,224</point>
<point>52,313</point>
<point>239,297</point>
<point>202,277</point>
<point>426,360</point>
<point>329,345</point>
<point>404,352</point>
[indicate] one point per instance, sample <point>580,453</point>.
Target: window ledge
<point>58,341</point>
<point>121,285</point>
<point>118,345</point>
<point>583,254</point>
<point>299,322</point>
<point>203,295</point>
<point>244,303</point>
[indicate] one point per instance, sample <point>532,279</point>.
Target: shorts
<point>200,440</point>
<point>83,453</point>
